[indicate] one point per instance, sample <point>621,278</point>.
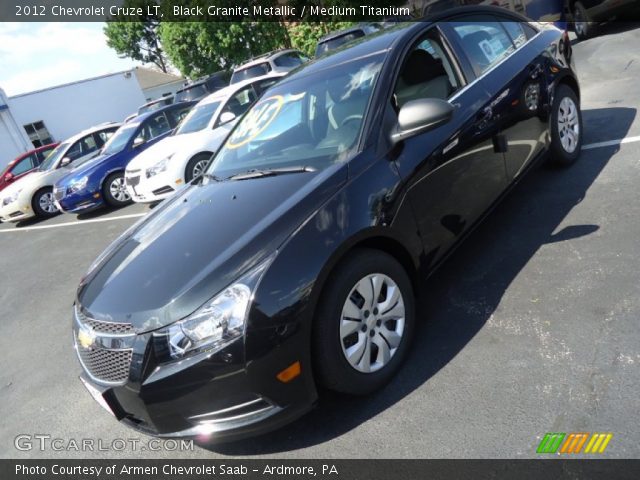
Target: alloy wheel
<point>46,203</point>
<point>118,190</point>
<point>568,125</point>
<point>198,168</point>
<point>372,323</point>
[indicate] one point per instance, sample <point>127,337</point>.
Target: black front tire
<point>109,198</point>
<point>190,171</point>
<point>559,155</point>
<point>332,368</point>
<point>35,203</point>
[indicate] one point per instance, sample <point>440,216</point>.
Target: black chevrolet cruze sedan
<point>292,263</point>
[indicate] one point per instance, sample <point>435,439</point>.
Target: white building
<point>56,113</point>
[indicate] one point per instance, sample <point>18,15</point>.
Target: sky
<point>41,55</point>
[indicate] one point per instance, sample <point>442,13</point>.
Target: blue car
<point>100,181</point>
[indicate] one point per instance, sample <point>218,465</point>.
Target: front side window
<point>42,154</point>
<point>312,122</point>
<point>485,43</point>
<point>176,115</point>
<point>103,136</point>
<point>427,73</point>
<point>240,101</point>
<point>24,165</point>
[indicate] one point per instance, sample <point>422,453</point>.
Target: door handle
<point>485,117</point>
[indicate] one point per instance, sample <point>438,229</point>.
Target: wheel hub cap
<point>372,323</point>
<point>118,190</point>
<point>47,204</point>
<point>568,125</point>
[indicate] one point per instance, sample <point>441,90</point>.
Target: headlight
<point>219,321</point>
<point>78,185</point>
<point>159,167</point>
<point>11,198</point>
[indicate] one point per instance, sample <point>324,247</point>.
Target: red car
<point>25,163</point>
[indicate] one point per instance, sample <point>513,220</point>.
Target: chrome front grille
<point>107,328</point>
<point>109,366</point>
<point>104,348</point>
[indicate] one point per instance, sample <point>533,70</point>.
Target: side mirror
<point>226,117</point>
<point>422,115</point>
<point>65,161</point>
<point>138,141</point>
<point>8,177</point>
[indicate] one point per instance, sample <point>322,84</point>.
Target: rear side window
<point>516,32</point>
<point>485,43</point>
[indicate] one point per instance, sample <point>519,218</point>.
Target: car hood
<point>197,243</point>
<point>85,168</point>
<point>34,180</point>
<point>186,145</point>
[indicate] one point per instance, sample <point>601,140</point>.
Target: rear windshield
<point>251,72</point>
<point>191,93</point>
<point>337,41</point>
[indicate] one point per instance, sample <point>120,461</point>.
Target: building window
<point>38,134</point>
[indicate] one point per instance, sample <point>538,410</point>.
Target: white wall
<point>69,109</point>
<point>13,139</point>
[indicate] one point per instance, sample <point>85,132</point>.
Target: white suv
<point>281,61</point>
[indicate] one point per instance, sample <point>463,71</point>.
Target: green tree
<point>200,48</point>
<point>137,39</point>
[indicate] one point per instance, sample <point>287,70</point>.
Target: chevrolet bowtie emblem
<point>86,337</point>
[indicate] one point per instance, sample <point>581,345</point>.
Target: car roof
<point>93,129</point>
<point>344,31</point>
<point>143,116</point>
<point>265,57</point>
<point>229,90</point>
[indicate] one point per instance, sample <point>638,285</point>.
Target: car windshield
<point>335,42</point>
<point>310,122</point>
<point>52,160</point>
<point>251,72</point>
<point>191,93</point>
<point>198,118</point>
<point>119,139</point>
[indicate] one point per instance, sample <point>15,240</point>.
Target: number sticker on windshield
<point>258,118</point>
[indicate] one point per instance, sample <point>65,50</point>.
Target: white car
<point>163,168</point>
<point>280,61</point>
<point>32,195</point>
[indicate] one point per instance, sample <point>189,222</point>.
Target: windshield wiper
<point>269,172</point>
<point>209,176</point>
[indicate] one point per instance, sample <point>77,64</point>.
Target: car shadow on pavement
<point>99,212</point>
<point>459,298</point>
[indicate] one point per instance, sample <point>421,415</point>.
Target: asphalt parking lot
<point>531,327</point>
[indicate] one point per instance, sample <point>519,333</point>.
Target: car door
<point>453,172</point>
<point>511,68</point>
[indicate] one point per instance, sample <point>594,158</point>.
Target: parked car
<point>24,164</point>
<point>280,61</point>
<point>100,181</point>
<point>33,195</point>
<point>293,261</point>
<point>586,14</point>
<point>154,105</point>
<point>202,87</point>
<point>333,40</point>
<point>159,171</point>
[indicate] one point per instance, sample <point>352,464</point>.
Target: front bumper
<point>153,189</point>
<point>212,397</point>
<point>16,211</point>
<point>79,202</point>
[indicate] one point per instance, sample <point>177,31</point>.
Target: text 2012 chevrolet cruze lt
<point>294,260</point>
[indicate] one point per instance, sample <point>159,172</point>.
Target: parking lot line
<point>65,224</point>
<point>610,143</point>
